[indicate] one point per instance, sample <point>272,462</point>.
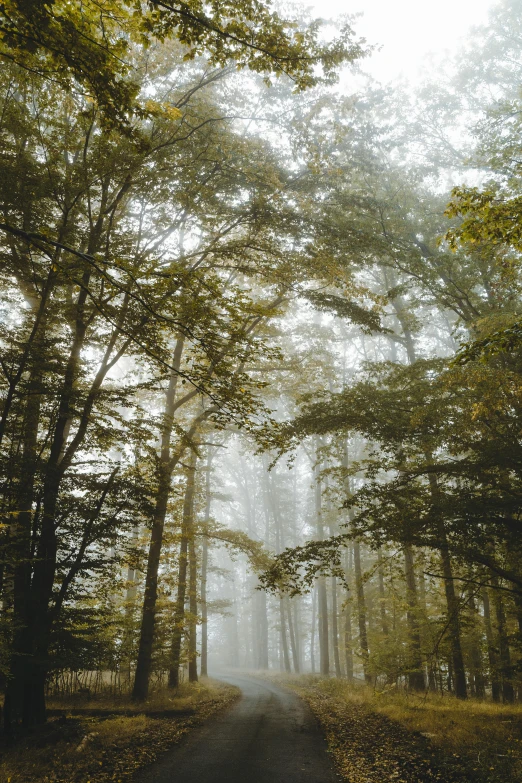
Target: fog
<point>260,361</point>
<point>410,37</point>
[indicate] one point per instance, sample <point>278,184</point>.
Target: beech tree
<point>92,47</point>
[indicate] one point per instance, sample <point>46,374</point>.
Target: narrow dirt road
<point>269,736</point>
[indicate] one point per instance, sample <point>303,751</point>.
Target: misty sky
<point>408,29</point>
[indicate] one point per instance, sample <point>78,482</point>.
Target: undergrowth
<point>115,742</point>
<point>380,736</point>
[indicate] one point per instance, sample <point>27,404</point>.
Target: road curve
<point>268,736</point>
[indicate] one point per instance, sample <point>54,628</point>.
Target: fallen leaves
<point>368,747</point>
<point>108,749</point>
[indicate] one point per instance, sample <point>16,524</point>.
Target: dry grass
<point>483,731</point>
<point>442,738</point>
<point>185,698</point>
<point>110,747</point>
<point>420,738</point>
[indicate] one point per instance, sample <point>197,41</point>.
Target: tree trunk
<point>322,598</point>
<point>292,631</point>
<point>426,639</point>
<point>19,553</point>
<point>348,635</point>
<point>179,613</point>
<point>324,653</point>
<point>284,643</point>
<point>280,544</point>
<point>263,631</point>
<point>234,635</point>
<point>204,610</point>
<point>506,669</point>
<point>204,569</point>
<point>476,658</point>
<point>382,595</point>
<point>348,640</point>
<point>193,607</point>
<point>297,631</point>
<point>361,612</point>
<point>517,597</point>
<point>335,629</point>
<point>165,468</point>
<point>42,614</point>
<point>355,552</point>
<point>492,653</point>
<point>452,602</point>
<point>416,680</point>
<point>459,673</point>
<point>262,602</point>
<point>312,634</point>
<point>31,643</point>
<point>450,679</point>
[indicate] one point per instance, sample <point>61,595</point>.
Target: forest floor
<point>391,737</point>
<point>109,740</point>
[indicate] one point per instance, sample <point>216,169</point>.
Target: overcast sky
<point>408,30</point>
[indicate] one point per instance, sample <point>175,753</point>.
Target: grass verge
<point>390,737</point>
<point>116,741</point>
